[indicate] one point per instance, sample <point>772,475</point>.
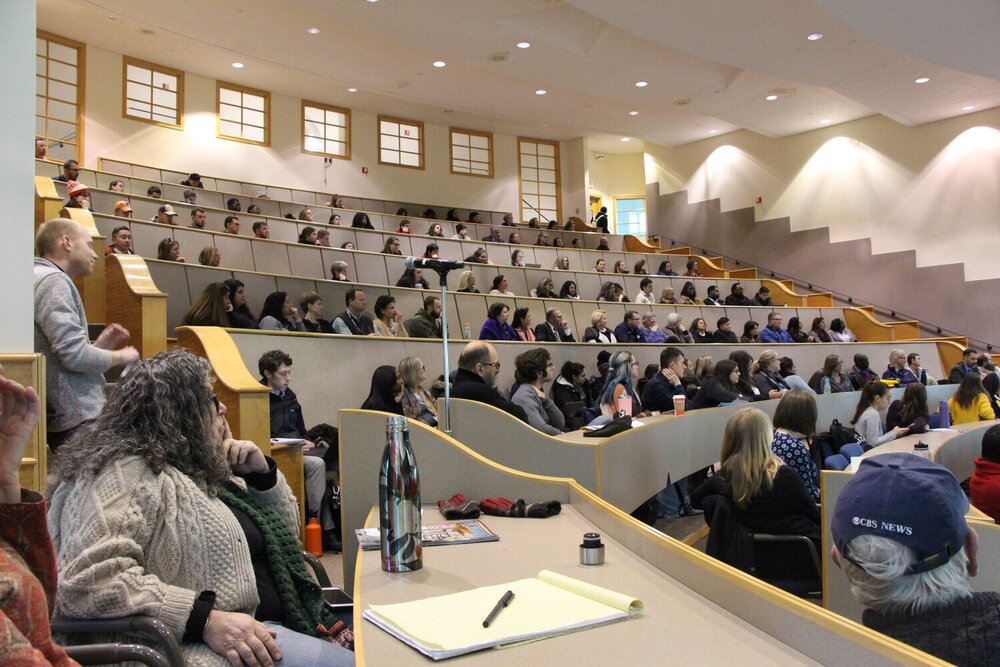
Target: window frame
<point>179,75</point>
<point>422,141</point>
<point>81,90</point>
<point>472,133</point>
<point>558,173</point>
<point>347,128</point>
<point>219,85</point>
<point>645,231</point>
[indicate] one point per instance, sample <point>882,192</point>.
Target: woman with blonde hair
<point>598,331</point>
<point>209,256</point>
<point>545,289</point>
<point>668,296</point>
<point>467,283</point>
<point>417,402</point>
<point>767,495</point>
<point>765,372</point>
<point>561,263</point>
<point>704,368</point>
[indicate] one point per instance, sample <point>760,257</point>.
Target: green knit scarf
<point>301,597</point>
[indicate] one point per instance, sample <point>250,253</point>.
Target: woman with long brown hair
<point>911,411</point>
<point>210,309</point>
<point>970,402</point>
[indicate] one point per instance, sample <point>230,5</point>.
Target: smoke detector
<point>598,157</point>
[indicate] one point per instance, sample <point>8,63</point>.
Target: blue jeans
<point>299,650</point>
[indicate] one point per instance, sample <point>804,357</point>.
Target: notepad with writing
<point>547,605</point>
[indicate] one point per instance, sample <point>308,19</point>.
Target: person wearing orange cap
<point>123,209</point>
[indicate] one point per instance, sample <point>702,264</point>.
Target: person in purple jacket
<point>496,327</point>
<point>773,333</point>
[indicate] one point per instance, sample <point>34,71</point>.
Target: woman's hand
<point>241,639</point>
<point>19,410</point>
<point>900,431</point>
<point>774,393</point>
<point>244,457</point>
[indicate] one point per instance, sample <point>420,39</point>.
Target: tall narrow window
<point>244,114</point>
<point>153,93</point>
<point>59,75</point>
<point>538,179</point>
<point>630,216</point>
<point>471,152</point>
<point>326,130</point>
<point>400,142</point>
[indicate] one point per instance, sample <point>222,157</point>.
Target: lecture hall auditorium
<point>841,155</point>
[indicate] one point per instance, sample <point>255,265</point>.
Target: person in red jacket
<point>27,560</point>
<point>984,487</point>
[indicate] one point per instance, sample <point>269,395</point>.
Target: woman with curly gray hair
<point>158,511</point>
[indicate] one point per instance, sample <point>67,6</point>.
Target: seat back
<point>851,450</point>
<point>836,462</point>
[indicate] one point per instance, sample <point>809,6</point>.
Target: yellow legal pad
<point>550,604</point>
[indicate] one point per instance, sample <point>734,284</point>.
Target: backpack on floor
<point>828,443</point>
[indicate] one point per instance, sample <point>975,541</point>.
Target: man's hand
<point>307,445</point>
<point>244,457</point>
<point>241,639</point>
<point>124,356</point>
<point>113,337</point>
<point>671,377</point>
<point>19,410</point>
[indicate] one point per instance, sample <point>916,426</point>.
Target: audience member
<point>554,329</point>
<point>668,296</point>
<point>763,297</point>
<point>700,332</point>
<point>531,370</point>
<point>598,331</point>
<point>386,393</point>
<point>545,289</point>
<point>426,323</point>
<point>117,186</point>
<point>600,265</point>
<point>794,428</point>
<point>645,294</point>
<point>965,366</point>
<point>984,486</point>
<point>480,256</point>
<point>911,411</point>
<point>476,378</point>
<point>500,286</point>
<point>361,221</point>
<point>620,267</point>
<point>41,148</point>
<point>354,321</point>
<point>831,379</point>
<point>568,389</point>
<point>601,220</point>
<point>736,296</point>
<point>745,384</point>
<point>336,201</point>
<point>391,246</point>
<point>190,197</point>
<point>334,220</point>
<point>628,330</point>
<point>308,236</point>
<point>751,332</point>
<point>608,292</point>
<point>713,296</point>
<point>278,314</point>
<point>819,332</point>
<point>461,232</point>
<point>123,209</point>
<point>198,218</point>
<point>306,215</point>
<point>165,215</point>
<point>795,331</point>
<point>312,314</point>
<point>171,549</point>
<point>121,242</point>
<point>773,333</point>
<point>496,327</point>
<point>640,268</point>
<point>261,230</point>
<point>494,235</point>
<point>986,366</point>
<point>970,403</point>
<point>416,400</point>
<point>514,238</point>
<point>875,398</point>
<point>722,387</point>
<point>435,230</point>
<point>231,225</point>
<point>474,218</point>
<point>388,320</point>
<point>897,369</point>
<point>618,392</point>
<point>253,209</point>
<point>791,377</point>
<point>467,282</point>
<point>79,196</point>
<point>233,204</point>
<point>338,271</point>
<point>689,296</point>
<point>522,324</point>
<point>692,269</point>
<point>658,394</point>
<point>404,227</point>
<point>650,330</point>
<point>240,316</point>
<point>74,369</point>
<point>900,536</point>
<point>602,244</point>
<point>991,383</point>
<point>916,365</point>
<point>704,368</point>
<point>675,331</point>
<point>839,333</point>
<point>517,258</point>
<point>766,374</point>
<point>347,245</point>
<point>153,191</point>
<point>861,374</point>
<point>70,171</point>
<point>666,268</point>
<point>431,251</point>
<point>210,256</point>
<point>193,181</point>
<point>724,332</point>
<point>508,220</point>
<point>169,250</point>
<point>568,291</point>
<point>413,278</point>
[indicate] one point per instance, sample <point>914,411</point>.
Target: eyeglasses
<point>495,364</point>
<point>635,364</point>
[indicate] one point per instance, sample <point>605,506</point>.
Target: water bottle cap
<point>396,424</point>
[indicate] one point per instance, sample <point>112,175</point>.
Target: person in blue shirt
<point>897,369</point>
<point>773,333</point>
<point>496,327</point>
<point>628,331</point>
<point>650,331</point>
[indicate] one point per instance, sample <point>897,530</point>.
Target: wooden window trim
<point>81,88</point>
<point>472,133</point>
<point>128,60</point>
<point>378,141</point>
<point>347,127</point>
<point>558,172</point>
<point>219,85</point>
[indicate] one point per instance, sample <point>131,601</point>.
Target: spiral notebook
<point>548,605</point>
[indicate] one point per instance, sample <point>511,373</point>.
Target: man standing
<point>900,536</point>
<point>476,378</point>
<point>897,369</point>
<point>287,422</point>
<point>713,296</point>
<point>964,367</point>
<point>628,330</point>
<point>773,333</point>
<point>354,321</point>
<point>553,329</point>
<point>260,230</point>
<point>74,369</point>
<point>121,242</point>
<point>427,322</point>
<point>198,218</point>
<point>736,296</point>
<point>601,220</point>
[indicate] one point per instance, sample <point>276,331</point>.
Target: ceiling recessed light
<point>352,90</point>
<point>633,113</point>
<point>523,45</point>
<point>372,1</point>
<point>712,131</point>
<point>771,98</point>
<point>540,92</point>
<point>825,121</point>
<point>238,65</point>
<point>626,139</point>
<point>439,63</point>
<point>813,37</point>
<point>968,108</point>
<point>641,84</point>
<point>312,31</point>
<point>923,79</point>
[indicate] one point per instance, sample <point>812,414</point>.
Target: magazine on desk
<point>451,532</point>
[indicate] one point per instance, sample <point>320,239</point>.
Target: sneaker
<point>689,510</point>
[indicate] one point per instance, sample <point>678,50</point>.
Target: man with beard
<point>476,378</point>
<point>427,322</point>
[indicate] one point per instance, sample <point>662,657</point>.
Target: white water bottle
<point>466,331</point>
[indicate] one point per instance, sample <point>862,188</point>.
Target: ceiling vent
<point>501,57</point>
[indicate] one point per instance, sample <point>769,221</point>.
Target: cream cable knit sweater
<point>132,542</point>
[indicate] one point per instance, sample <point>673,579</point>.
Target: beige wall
<point>196,148</point>
<point>617,175</point>
<point>933,188</point>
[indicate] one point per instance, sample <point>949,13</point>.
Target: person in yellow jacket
<point>970,402</point>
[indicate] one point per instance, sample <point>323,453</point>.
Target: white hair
<point>879,582</point>
<point>647,317</point>
<point>673,319</point>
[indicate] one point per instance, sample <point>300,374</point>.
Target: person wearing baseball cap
<point>900,536</point>
<point>78,194</point>
<point>123,209</point>
<point>166,215</point>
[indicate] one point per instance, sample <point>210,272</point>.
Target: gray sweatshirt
<point>74,369</point>
<point>542,415</point>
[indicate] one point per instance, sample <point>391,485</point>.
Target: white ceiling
<point>709,63</point>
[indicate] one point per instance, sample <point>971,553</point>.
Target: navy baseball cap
<point>905,498</point>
